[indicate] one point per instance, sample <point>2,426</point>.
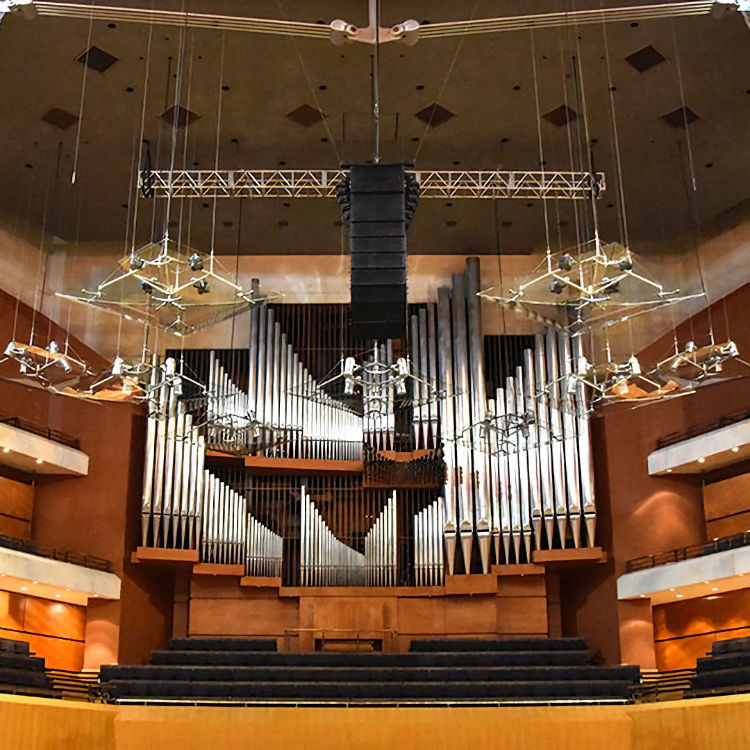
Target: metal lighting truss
<point>321,183</point>
<point>591,283</point>
<point>175,288</point>
<point>339,31</point>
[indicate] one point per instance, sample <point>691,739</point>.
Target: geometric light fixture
<point>172,287</point>
<point>589,284</point>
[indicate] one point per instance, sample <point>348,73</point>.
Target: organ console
<point>481,457</point>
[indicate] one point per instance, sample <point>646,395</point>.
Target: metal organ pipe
<point>447,424</point>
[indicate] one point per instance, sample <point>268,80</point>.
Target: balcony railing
<point>45,432</point>
<point>42,550</point>
<point>702,429</point>
<point>688,553</point>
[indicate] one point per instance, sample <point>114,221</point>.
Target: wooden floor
<point>705,724</point>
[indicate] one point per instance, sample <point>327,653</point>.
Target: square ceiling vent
<point>645,59</point>
<point>434,115</point>
<point>306,116</point>
<point>59,118</point>
<point>680,117</point>
<point>97,59</point>
<point>184,116</point>
<point>560,116</point>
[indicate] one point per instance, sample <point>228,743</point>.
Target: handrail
<point>695,431</point>
<point>689,552</point>
<point>43,550</point>
<point>45,432</point>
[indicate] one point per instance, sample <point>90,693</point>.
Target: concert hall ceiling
<point>273,90</point>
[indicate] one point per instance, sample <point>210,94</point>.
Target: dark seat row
<point>8,646</point>
<point>590,689</point>
<point>372,659</point>
<point>726,670</point>
<point>455,669</point>
<point>223,644</point>
<point>367,674</point>
<point>509,644</point>
<point>20,672</point>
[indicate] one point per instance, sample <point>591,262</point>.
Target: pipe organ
<point>459,451</point>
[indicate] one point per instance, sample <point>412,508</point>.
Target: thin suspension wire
<point>678,65</point>
<point>77,148</point>
<point>616,138</point>
<point>311,86</point>
<point>218,136</point>
<point>181,47</point>
<point>142,130</point>
<point>542,162</point>
<point>444,84</point>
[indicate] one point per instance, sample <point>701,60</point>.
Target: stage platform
<point>701,724</point>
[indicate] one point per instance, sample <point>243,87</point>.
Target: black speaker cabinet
<point>377,231</point>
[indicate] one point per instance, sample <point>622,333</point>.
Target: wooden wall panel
<point>16,499</point>
<point>53,630</point>
<point>726,498</point>
<point>15,527</point>
<point>728,526</point>
<point>685,630</point>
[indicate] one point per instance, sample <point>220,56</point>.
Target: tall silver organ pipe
<point>264,550</point>
<point>463,421</point>
<point>224,523</point>
<point>380,547</point>
<point>518,461</point>
<point>428,545</point>
<point>173,466</point>
<point>447,423</point>
<point>324,559</point>
<point>478,403</point>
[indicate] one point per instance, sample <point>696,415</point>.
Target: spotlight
<point>196,262</point>
<point>177,386</point>
<point>146,287</point>
<point>566,262</point>
<point>634,365</point>
<point>625,264</point>
<point>556,286</point>
<point>63,362</point>
<point>52,348</point>
<point>736,449</point>
<point>612,287</point>
<point>701,460</point>
<point>201,286</point>
<point>136,263</point>
<point>117,366</point>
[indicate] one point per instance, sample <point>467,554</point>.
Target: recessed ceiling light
<point>6,450</point>
<point>679,596</point>
<point>36,583</point>
<point>701,460</point>
<point>643,596</point>
<point>40,460</point>
<point>715,588</point>
<point>669,471</point>
<point>23,588</point>
<point>57,596</point>
<point>96,596</point>
<point>736,449</point>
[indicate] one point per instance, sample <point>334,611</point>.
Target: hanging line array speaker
<point>377,221</point>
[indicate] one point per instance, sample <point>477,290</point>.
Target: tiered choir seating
<point>726,670</point>
<point>20,672</point>
<point>246,671</point>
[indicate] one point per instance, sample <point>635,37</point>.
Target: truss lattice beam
<point>321,183</point>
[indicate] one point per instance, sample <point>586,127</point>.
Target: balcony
<point>34,449</point>
<point>703,449</point>
<point>690,572</point>
<point>34,569</point>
